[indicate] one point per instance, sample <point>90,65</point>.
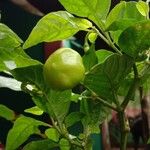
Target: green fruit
<point>63,69</point>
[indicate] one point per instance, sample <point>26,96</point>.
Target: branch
<point>132,88</point>
<point>105,103</point>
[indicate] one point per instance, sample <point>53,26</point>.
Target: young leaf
<point>10,83</point>
<point>64,144</point>
<point>92,37</point>
<point>41,145</point>
<point>75,97</point>
<point>6,113</point>
<point>73,118</point>
<point>143,8</point>
<point>34,110</point>
<point>56,26</point>
<point>108,75</point>
<point>134,41</point>
<point>52,134</point>
<point>95,10</point>
<point>22,129</point>
<point>8,39</point>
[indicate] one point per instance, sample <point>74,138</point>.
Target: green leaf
<point>10,83</point>
<point>121,24</point>
<point>6,113</point>
<point>56,103</point>
<point>102,55</point>
<point>73,118</point>
<point>59,103</point>
<point>124,10</point>
<point>14,58</point>
<point>34,110</point>
<point>31,74</point>
<point>95,10</point>
<point>41,145</point>
<point>75,97</point>
<point>11,54</point>
<point>108,75</point>
<point>92,37</point>
<point>8,39</point>
<point>125,85</point>
<point>64,144</point>
<point>143,8</point>
<point>56,26</point>
<point>134,41</point>
<point>52,134</point>
<point>90,59</point>
<point>22,129</point>
<point>95,114</point>
<point>122,16</point>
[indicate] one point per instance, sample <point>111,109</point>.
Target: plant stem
<point>132,88</point>
<point>107,104</point>
<point>106,37</point>
<point>101,35</point>
<point>123,130</point>
<point>111,44</point>
<point>63,131</point>
<point>122,118</point>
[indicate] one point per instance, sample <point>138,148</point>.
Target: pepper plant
<point>109,74</point>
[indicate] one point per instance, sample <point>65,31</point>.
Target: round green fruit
<point>64,69</point>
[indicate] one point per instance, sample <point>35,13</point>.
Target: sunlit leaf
<point>143,8</point>
<point>95,10</point>
<point>34,110</point>
<point>52,134</point>
<point>6,113</point>
<point>8,39</point>
<point>22,129</point>
<point>14,58</point>
<point>10,83</point>
<point>56,26</point>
